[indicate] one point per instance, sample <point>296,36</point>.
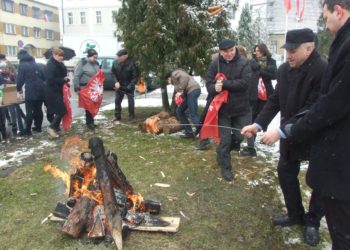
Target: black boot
<point>226,174</point>
<point>203,145</point>
<point>187,135</point>
<point>248,151</point>
<point>286,221</point>
<point>311,236</point>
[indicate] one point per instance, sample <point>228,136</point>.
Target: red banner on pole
<point>67,118</point>
<point>300,9</point>
<point>287,5</point>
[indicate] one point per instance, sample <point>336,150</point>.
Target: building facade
<point>90,24</point>
<point>273,16</point>
<point>30,25</point>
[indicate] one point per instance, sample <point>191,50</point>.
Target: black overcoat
<point>296,90</point>
<point>55,73</point>
<point>328,123</point>
<point>238,72</point>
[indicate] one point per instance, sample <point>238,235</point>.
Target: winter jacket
<point>31,76</point>
<point>55,74</point>
<point>267,71</point>
<point>84,71</point>
<point>328,123</point>
<point>296,90</point>
<point>183,82</point>
<point>126,74</point>
<point>238,73</point>
<point>254,80</point>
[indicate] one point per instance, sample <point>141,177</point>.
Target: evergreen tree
<point>246,35</point>
<point>163,35</point>
<point>324,38</point>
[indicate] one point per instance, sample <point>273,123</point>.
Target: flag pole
<point>285,35</point>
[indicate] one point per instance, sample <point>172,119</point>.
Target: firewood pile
<point>163,122</point>
<point>102,204</point>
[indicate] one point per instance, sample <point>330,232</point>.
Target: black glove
<point>66,79</point>
<point>76,88</point>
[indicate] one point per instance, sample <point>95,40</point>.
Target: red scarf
<point>210,125</point>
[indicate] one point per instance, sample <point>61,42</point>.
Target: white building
<point>90,24</point>
<point>273,14</point>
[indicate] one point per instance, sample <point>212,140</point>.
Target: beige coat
<point>183,82</point>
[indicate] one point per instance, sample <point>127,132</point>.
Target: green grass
<point>221,215</point>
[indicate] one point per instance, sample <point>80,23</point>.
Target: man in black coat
<point>236,112</point>
<point>298,85</point>
<point>126,74</point>
<point>327,124</point>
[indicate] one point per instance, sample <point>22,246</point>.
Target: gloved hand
<point>66,79</point>
<point>76,88</point>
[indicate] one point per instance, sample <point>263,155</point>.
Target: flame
<point>53,170</point>
<point>152,124</point>
<point>137,201</point>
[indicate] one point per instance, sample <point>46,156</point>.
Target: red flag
<point>67,118</point>
<point>287,5</point>
<point>210,125</point>
<point>90,97</point>
<point>300,10</point>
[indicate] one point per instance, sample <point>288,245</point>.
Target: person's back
<point>31,75</point>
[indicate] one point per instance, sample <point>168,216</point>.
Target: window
<point>23,9</point>
<point>38,52</point>
<point>10,28</point>
<point>36,12</point>
<point>98,17</point>
<point>24,31</point>
<point>70,17</point>
<point>49,34</point>
<point>37,32</point>
<point>11,50</point>
<point>48,16</point>
<point>7,5</point>
<point>82,17</point>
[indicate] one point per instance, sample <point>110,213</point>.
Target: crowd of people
<point>310,94</point>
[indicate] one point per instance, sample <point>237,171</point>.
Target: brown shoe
<point>52,133</point>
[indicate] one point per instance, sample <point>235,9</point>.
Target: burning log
<point>162,122</point>
<point>118,178</point>
<point>113,218</point>
<point>79,216</point>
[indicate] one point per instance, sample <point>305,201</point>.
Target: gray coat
<point>83,72</point>
<point>183,82</point>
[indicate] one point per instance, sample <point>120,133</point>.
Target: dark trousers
<point>3,123</point>
<point>119,95</point>
<point>34,112</point>
<point>191,103</point>
<point>88,118</point>
<point>256,107</point>
<point>338,221</point>
<point>288,171</point>
<point>55,124</point>
<point>17,117</point>
<point>230,137</point>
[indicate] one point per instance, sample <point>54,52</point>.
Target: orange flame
<point>58,174</point>
<point>137,201</point>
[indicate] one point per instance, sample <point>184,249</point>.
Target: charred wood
<point>78,219</point>
<point>113,219</point>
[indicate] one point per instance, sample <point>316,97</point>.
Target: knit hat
<point>91,52</point>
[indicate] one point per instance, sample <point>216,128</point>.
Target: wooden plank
<point>173,227</point>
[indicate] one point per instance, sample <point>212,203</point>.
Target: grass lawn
<point>220,215</point>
